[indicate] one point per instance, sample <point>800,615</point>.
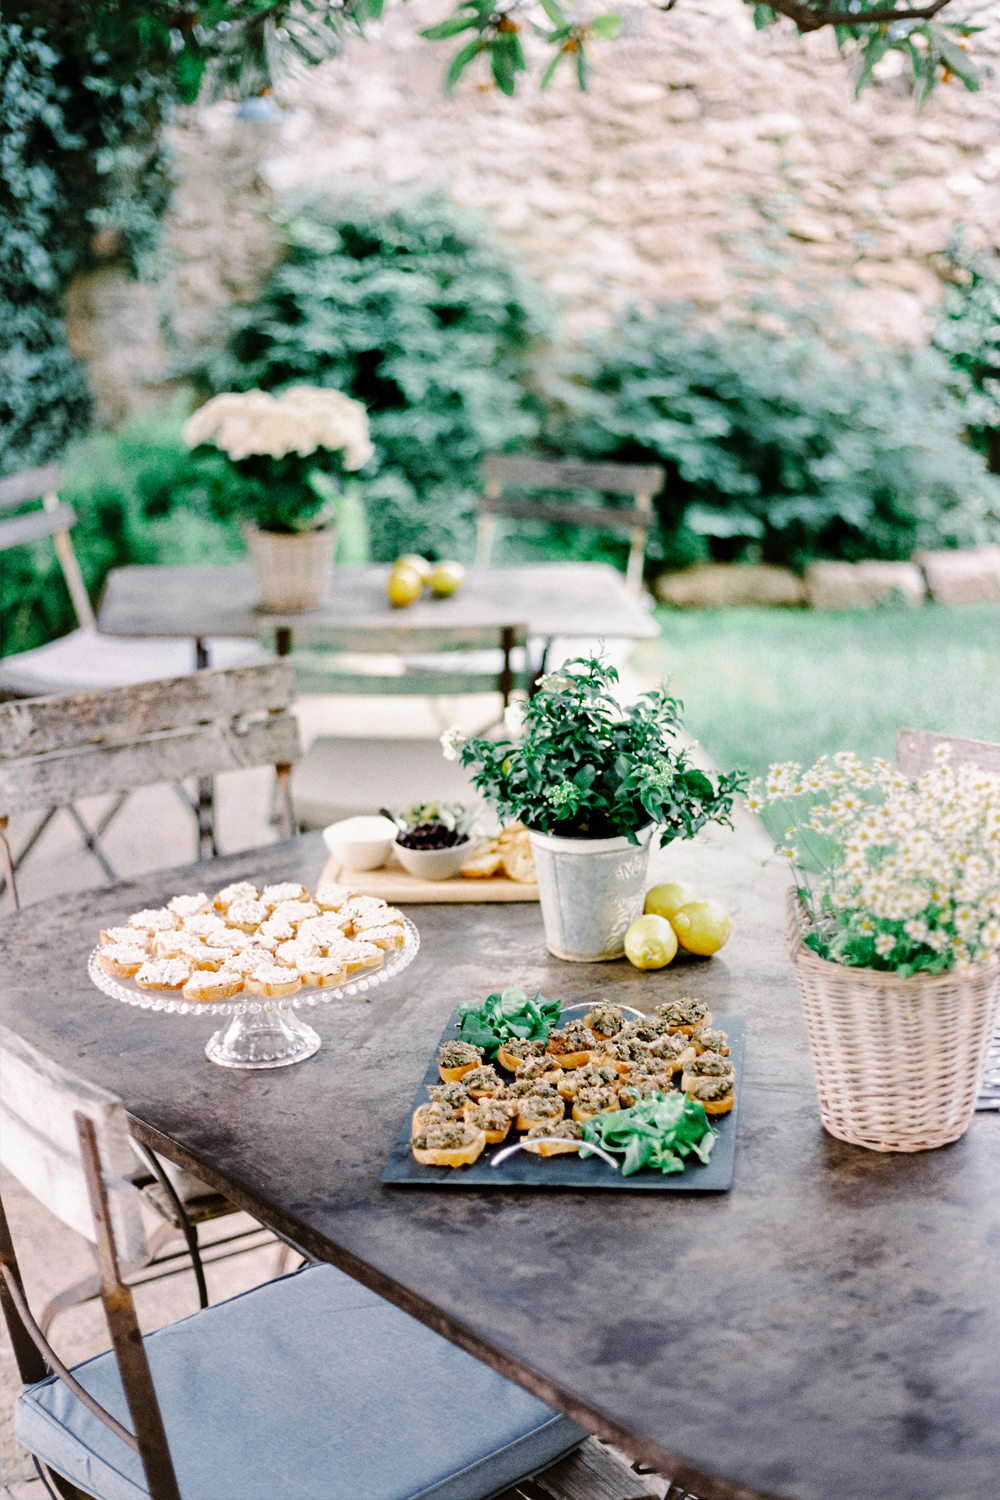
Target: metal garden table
<point>827,1330</point>
<point>552,599</point>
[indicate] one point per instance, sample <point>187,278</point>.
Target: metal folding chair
<point>641,481</point>
<point>53,751</point>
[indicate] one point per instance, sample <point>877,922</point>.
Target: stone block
<point>864,585</point>
<point>962,577</point>
<point>730,586</point>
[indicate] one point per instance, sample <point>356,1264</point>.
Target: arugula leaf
<point>509,1014</point>
<point>658,1133</point>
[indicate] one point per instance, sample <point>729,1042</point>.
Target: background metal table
<point>552,599</point>
<point>828,1330</point>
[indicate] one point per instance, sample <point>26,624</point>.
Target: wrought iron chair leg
<point>188,1229</point>
<point>91,841</point>
<point>8,865</point>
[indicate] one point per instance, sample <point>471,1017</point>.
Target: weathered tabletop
<point>828,1330</point>
<point>552,599</point>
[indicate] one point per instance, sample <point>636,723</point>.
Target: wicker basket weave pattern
<point>293,572</point>
<point>898,1062</point>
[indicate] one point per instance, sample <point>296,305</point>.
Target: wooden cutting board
<point>399,887</point>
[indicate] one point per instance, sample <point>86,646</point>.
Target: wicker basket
<point>898,1061</point>
<point>293,572</point>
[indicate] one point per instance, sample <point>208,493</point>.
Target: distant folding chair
<point>641,481</point>
<point>85,659</point>
<point>914,755</point>
<point>307,1385</point>
<point>53,751</point>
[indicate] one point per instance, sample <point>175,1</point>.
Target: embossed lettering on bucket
<point>590,891</point>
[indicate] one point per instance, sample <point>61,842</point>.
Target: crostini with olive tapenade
<point>455,1059</point>
<point>448,1145</point>
<point>492,1118</point>
<point>511,1054</point>
<point>554,1139</point>
<point>572,1045</point>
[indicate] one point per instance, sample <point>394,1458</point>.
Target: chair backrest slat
<point>17,530</point>
<point>39,1143</point>
<point>172,755</point>
<point>38,726</point>
<point>566,474</point>
<point>572,515</point>
<point>30,484</point>
<point>915,751</point>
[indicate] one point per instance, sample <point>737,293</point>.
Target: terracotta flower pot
<point>293,572</point>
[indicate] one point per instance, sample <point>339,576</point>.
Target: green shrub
<point>778,446</point>
<point>124,488</point>
<point>417,311</point>
<point>968,334</point>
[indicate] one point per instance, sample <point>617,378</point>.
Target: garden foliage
<point>968,334</point>
<point>778,444</point>
<point>125,489</point>
<point>415,310</point>
<point>584,767</point>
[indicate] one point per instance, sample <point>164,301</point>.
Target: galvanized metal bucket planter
<point>293,572</point>
<point>590,891</point>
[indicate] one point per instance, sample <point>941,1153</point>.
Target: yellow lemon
<point>447,578</point>
<point>417,563</point>
<point>702,927</point>
<point>650,942</point>
<point>405,584</point>
<point>664,900</point>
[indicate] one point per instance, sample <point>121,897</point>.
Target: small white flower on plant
<point>790,852</point>
<point>513,716</point>
<point>942,754</point>
<point>754,802</point>
<point>884,944</point>
<point>552,682</point>
<point>451,742</point>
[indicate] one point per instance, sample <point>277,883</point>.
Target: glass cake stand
<point>261,1033</point>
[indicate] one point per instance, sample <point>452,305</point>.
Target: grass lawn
<point>763,685</point>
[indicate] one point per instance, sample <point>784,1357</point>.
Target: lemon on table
<point>446,579</point>
<point>404,586</point>
<point>417,563</point>
<point>650,942</point>
<point>702,927</point>
<point>666,899</point>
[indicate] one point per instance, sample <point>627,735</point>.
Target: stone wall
<point>709,162</point>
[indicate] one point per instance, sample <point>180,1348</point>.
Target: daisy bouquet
<point>905,874</point>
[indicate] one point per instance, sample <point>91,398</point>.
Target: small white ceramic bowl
<point>434,864</point>
<point>360,843</point>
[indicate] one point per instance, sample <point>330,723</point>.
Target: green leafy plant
<point>583,767</point>
<point>415,310</point>
<point>509,1014</point>
<point>778,445</point>
<point>659,1133</point>
<point>123,487</point>
<point>968,334</point>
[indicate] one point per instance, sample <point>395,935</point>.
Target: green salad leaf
<point>658,1133</point>
<point>506,1015</point>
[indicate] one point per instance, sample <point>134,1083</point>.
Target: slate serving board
<point>524,1170</point>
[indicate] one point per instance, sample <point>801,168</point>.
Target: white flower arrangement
<point>300,420</point>
<point>910,876</point>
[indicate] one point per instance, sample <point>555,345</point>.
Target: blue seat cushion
<point>310,1387</point>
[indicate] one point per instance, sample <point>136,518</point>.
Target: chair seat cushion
<point>85,660</point>
<point>310,1387</point>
